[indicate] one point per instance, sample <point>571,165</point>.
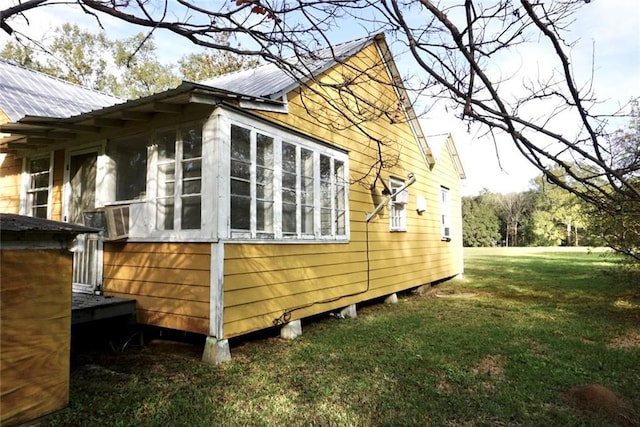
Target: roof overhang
<point>36,132</point>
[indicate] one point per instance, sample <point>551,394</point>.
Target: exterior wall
<point>57,186</point>
<point>169,281</point>
<point>10,173</point>
<point>35,325</point>
<point>262,281</point>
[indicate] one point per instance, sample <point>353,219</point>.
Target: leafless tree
<point>457,47</point>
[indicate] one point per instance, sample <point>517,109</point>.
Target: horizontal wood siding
<point>263,281</point>
<point>169,281</point>
<point>35,331</point>
<point>58,185</point>
<point>10,173</point>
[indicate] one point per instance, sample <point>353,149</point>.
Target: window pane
<point>166,173</point>
<point>40,198</point>
<point>191,142</point>
<point>289,180</point>
<point>40,212</point>
<point>307,220</point>
<point>325,168</point>
<point>264,213</point>
<point>40,180</point>
<point>164,219</point>
<point>240,169</point>
<point>289,196</point>
<point>264,183</point>
<point>192,168</point>
<point>325,222</point>
<point>191,213</point>
<point>130,157</point>
<point>166,142</point>
<point>289,157</point>
<point>264,150</point>
<point>192,186</point>
<point>39,165</point>
<point>240,207</point>
<point>240,188</point>
<point>240,143</point>
<point>288,218</point>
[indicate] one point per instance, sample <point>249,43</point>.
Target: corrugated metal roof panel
<point>25,92</point>
<point>269,81</point>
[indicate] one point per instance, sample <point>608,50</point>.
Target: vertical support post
<point>291,330</point>
<point>391,299</point>
<point>216,351</point>
<point>349,311</point>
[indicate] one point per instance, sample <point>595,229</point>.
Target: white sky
<point>606,31</point>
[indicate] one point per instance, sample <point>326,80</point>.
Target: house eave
<point>35,132</point>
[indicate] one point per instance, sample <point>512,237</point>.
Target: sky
<point>606,33</point>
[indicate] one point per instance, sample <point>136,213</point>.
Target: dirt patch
<point>492,365</point>
<point>598,399</point>
<point>628,341</point>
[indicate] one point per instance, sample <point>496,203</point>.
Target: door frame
<point>81,248</point>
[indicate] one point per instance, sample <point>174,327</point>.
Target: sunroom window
<point>39,172</point>
<point>130,157</point>
<point>179,179</point>
<point>285,187</point>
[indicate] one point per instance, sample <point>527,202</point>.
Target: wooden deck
<point>88,308</point>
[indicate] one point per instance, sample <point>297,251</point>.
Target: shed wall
<point>35,331</point>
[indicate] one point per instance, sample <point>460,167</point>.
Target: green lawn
<point>501,346</point>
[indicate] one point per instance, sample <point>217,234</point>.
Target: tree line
<point>127,68</point>
<point>549,215</point>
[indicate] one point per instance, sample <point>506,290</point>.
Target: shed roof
<point>25,92</point>
<point>272,81</point>
<point>26,224</point>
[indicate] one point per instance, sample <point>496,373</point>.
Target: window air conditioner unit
<point>401,197</point>
<point>446,233</point>
<point>117,221</point>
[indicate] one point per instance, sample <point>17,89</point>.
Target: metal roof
<point>24,92</point>
<point>271,81</point>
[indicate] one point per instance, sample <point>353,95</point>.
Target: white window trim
<point>143,213</point>
<point>25,203</point>
<point>398,202</point>
<point>226,119</point>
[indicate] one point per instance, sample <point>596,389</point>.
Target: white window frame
<point>177,233</point>
<point>445,214</point>
<point>398,205</point>
<point>143,213</point>
<point>26,204</point>
<point>280,136</point>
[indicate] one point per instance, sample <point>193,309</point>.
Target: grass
<point>501,346</point>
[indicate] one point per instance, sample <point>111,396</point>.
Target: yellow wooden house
<point>251,200</point>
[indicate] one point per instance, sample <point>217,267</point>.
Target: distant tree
<point>140,72</point>
<point>21,54</point>
<point>621,229</point>
<point>559,216</point>
<point>480,222</point>
<point>128,68</point>
<point>77,56</point>
<point>513,208</point>
<point>196,67</point>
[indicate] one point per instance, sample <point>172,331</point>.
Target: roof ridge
<point>310,54</point>
<point>31,70</point>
